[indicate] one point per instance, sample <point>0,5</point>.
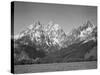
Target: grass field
<point>55,67</point>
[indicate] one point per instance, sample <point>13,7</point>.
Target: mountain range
<point>40,43</point>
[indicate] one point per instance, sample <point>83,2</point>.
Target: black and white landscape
<point>45,47</point>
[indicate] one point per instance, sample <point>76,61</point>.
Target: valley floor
<point>55,67</point>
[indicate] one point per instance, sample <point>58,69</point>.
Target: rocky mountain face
<point>41,42</point>
<point>46,36</point>
<point>83,33</point>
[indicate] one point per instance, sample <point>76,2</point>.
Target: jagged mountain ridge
<point>38,41</point>
<point>83,33</point>
<point>48,35</point>
<point>52,35</point>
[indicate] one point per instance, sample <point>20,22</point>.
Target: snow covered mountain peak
<point>48,35</point>
<point>84,33</point>
<point>52,35</point>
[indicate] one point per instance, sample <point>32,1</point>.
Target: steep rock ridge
<point>83,33</point>
<point>39,41</point>
<point>50,35</point>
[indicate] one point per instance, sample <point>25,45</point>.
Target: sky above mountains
<point>67,16</point>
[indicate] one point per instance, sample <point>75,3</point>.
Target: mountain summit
<point>52,35</point>
<point>46,36</point>
<point>83,33</point>
<point>41,43</point>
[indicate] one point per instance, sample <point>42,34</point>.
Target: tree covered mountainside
<point>38,44</point>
